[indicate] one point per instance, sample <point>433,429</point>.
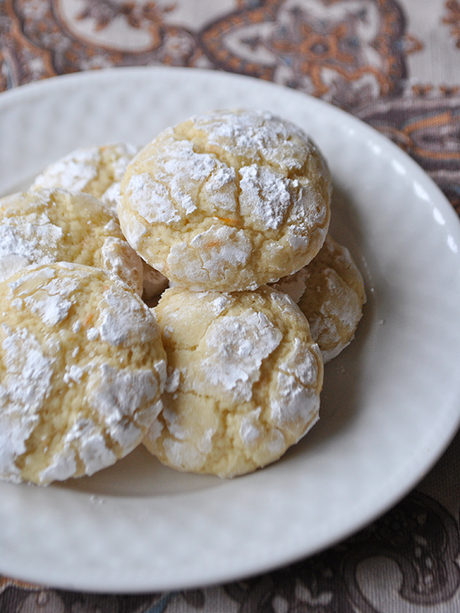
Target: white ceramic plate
<point>391,400</point>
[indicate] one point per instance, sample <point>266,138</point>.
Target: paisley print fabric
<point>395,64</point>
<point>313,46</point>
<point>428,129</point>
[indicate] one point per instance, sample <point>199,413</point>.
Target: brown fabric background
<point>396,65</point>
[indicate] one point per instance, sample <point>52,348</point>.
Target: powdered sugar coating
<point>330,292</point>
<point>24,238</point>
<point>243,381</point>
<point>45,226</point>
<point>20,404</point>
<point>121,262</point>
<point>118,395</point>
<point>149,198</point>
<point>72,402</point>
<point>243,178</point>
<point>74,171</point>
<point>272,187</point>
<point>236,347</point>
<point>94,170</point>
<point>93,452</point>
<point>256,135</point>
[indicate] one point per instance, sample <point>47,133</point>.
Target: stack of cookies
<point>229,209</point>
<point>82,365</point>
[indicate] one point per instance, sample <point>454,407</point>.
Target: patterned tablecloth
<point>396,65</point>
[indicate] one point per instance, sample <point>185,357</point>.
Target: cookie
<point>244,379</point>
<point>330,292</point>
<point>227,201</point>
<point>93,170</point>
<point>82,368</point>
<point>98,171</point>
<point>45,226</point>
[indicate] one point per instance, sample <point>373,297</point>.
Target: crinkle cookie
<point>45,226</point>
<point>98,171</point>
<point>94,170</point>
<point>330,292</point>
<point>82,368</point>
<point>244,379</point>
<point>227,201</point>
